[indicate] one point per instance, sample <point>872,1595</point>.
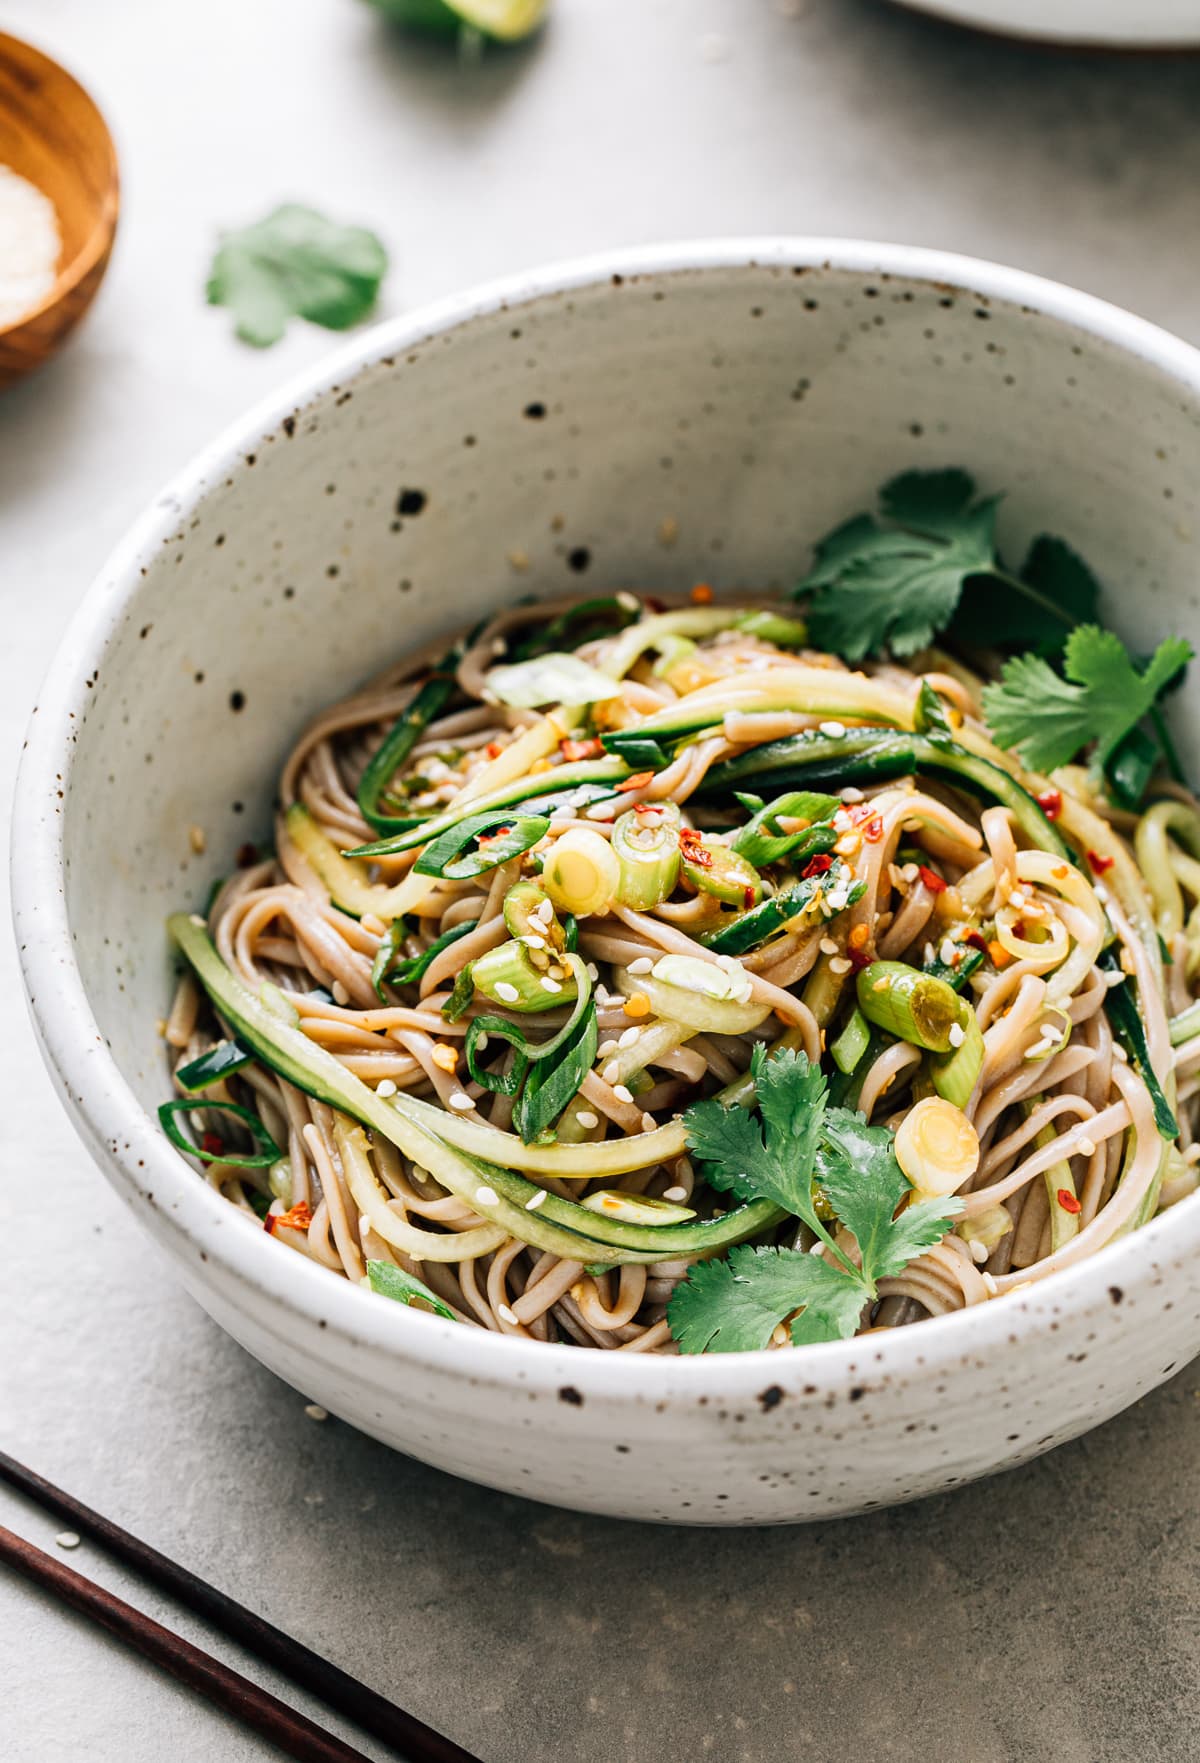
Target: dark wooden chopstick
<point>254,1707</point>
<point>336,1688</point>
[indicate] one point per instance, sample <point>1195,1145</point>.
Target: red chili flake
<point>747,897</point>
<point>638,781</point>
<point>213,1143</point>
<point>650,808</point>
<point>817,865</point>
<point>933,881</point>
<point>1099,864</point>
<point>1018,929</point>
<point>702,594</point>
<point>247,856</point>
<point>580,749</point>
<point>858,958</point>
<point>1050,803</point>
<point>500,833</point>
<point>493,749</point>
<point>873,830</point>
<point>694,850</point>
<point>299,1217</point>
<point>976,939</point>
<point>1067,1201</point>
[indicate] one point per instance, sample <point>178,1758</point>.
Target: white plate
<point>1128,24</point>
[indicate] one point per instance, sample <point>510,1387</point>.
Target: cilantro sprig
<point>295,263</point>
<point>1102,702</point>
<point>897,580</point>
<point>814,1161</point>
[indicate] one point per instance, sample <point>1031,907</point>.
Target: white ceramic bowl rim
<point>147,1163</point>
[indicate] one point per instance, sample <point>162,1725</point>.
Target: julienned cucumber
<point>344,880</point>
<point>532,787</point>
<point>559,1226</point>
<point>872,755</point>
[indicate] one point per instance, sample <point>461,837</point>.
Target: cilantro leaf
<point>295,263</point>
<point>857,1168</point>
<point>898,585</point>
<point>1048,719</point>
<point>735,1305</point>
<point>791,1097</point>
<point>1056,590</point>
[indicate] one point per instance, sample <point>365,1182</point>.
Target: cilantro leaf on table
<point>898,585</point>
<point>295,263</point>
<point>735,1305</point>
<point>1048,719</point>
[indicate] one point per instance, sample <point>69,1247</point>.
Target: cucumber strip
<point>540,787</point>
<point>751,928</point>
<point>218,1062</point>
<point>870,756</point>
<point>1183,1026</point>
<point>399,743</point>
<point>560,1226</point>
<point>344,880</point>
<point>1127,1025</point>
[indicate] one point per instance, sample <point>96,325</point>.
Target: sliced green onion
<point>553,1083</point>
<point>955,1074</point>
<point>697,994</point>
<point>399,742</point>
<point>1183,1026</point>
<point>488,1027</point>
<point>852,1043</point>
<point>711,867</point>
<point>211,1067</point>
<point>461,993</point>
<point>635,1208</point>
<point>550,679</point>
<point>506,975</point>
<point>529,913</point>
<point>391,967</point>
<point>405,1288</point>
<point>581,872</point>
<point>930,718</point>
<point>937,1147</point>
<point>772,627</point>
<point>1130,1030</point>
<point>512,837</point>
<point>911,1005</point>
<point>645,842</point>
<point>263,1159</point>
<point>805,903</point>
<point>762,840</point>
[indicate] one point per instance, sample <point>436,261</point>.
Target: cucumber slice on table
<point>506,21</point>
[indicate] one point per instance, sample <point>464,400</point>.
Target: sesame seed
<point>612,1071</point>
<point>643,964</point>
<point>850,794</point>
<point>485,1196</point>
<point>602,811</point>
<point>827,946</point>
<point>462,1102</point>
<point>1088,1147</point>
<point>622,1093</point>
<point>1101,892</point>
<point>538,1199</point>
<point>835,730</point>
<point>839,965</point>
<point>1120,1053</point>
<point>927,954</point>
<point>195,918</point>
<point>593,972</point>
<point>587,1119</point>
<point>386,1087</point>
<point>629,1036</point>
<point>197,840</point>
<point>481,1043</point>
<point>545,912</point>
<point>675,1193</point>
<point>507,992</point>
<point>990,1283</point>
<point>628,602</point>
<point>1114,979</point>
<point>507,1315</point>
<point>649,1124</point>
<point>1017,900</point>
<point>532,941</point>
<point>958,1034</point>
<point>550,985</point>
<point>979,1252</point>
<point>947,952</point>
<point>68,1539</point>
<point>606,1049</point>
<point>340,994</point>
<point>730,963</point>
<point>315,1411</point>
<point>564,811</point>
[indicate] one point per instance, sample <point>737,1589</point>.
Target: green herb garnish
<point>295,263</point>
<point>801,1151</point>
<point>1048,720</point>
<point>405,1288</point>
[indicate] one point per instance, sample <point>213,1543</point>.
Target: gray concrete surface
<point>1050,1615</point>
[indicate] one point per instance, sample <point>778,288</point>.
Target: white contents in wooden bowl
<point>30,245</point>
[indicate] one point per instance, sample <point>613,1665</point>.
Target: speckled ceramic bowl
<point>752,393</point>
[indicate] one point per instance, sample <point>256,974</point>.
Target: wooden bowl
<point>52,133</point>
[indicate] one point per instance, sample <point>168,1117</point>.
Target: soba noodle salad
<point>713,974</point>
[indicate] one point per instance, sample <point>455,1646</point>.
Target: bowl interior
<point>539,448</point>
<point>52,133</point>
